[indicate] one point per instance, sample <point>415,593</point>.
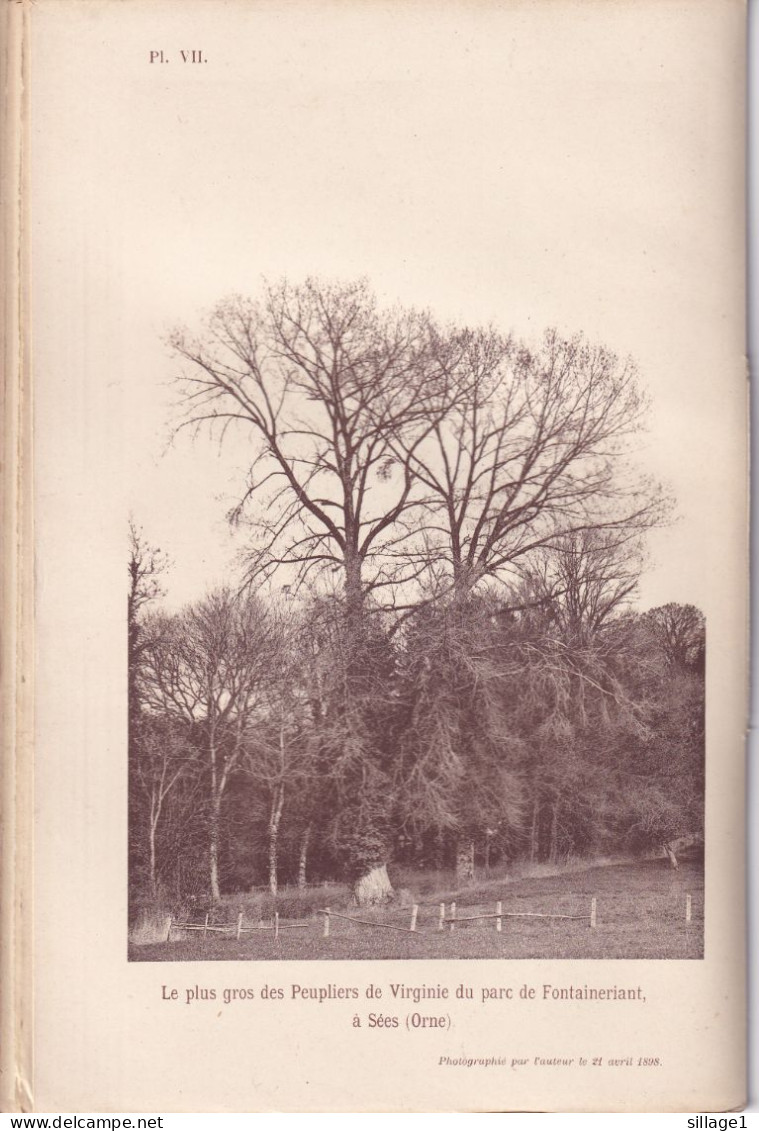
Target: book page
<point>390,360</point>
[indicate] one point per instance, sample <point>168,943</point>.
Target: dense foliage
<point>482,731</point>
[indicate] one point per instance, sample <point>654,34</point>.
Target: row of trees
<point>433,647</point>
<point>265,748</point>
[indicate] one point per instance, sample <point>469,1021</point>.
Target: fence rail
<point>512,915</point>
<point>328,914</point>
<point>236,929</point>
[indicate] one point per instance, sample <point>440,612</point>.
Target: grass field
<point>640,914</point>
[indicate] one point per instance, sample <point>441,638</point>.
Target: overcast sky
<point>532,165</point>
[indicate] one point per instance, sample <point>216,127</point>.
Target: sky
<point>526,165</point>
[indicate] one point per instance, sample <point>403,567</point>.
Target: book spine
<point>16,575</point>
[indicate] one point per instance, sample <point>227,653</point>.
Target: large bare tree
<point>328,386</point>
<point>583,580</point>
<point>535,447</point>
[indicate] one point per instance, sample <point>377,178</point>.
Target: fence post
<point>688,908</point>
<point>205,926</point>
<point>441,917</point>
<point>276,924</point>
<point>498,909</point>
<point>453,915</point>
<point>326,923</point>
<point>239,924</point>
<point>168,933</point>
<point>593,912</point>
<point>414,913</point>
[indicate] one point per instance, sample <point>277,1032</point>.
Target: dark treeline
<point>265,752</point>
<point>433,657</point>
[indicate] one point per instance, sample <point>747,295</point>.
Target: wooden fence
<point>236,929</point>
<point>445,919</point>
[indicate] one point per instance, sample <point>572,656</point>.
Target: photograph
<point>428,701</point>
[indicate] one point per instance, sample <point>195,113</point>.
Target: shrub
<point>290,903</point>
<point>150,926</point>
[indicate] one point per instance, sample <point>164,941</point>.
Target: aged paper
<point>501,166</point>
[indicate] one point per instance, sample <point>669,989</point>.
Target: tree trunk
<point>464,860</point>
<point>354,594</point>
<point>465,576</point>
<point>534,832</point>
<point>553,851</point>
<point>373,887</point>
<point>153,881</point>
<point>672,858</point>
<point>439,849</point>
<point>213,849</point>
<point>274,818</point>
<point>303,856</point>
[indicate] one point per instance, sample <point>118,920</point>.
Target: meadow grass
<point>640,914</point>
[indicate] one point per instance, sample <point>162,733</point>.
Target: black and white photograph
<point>428,701</point>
